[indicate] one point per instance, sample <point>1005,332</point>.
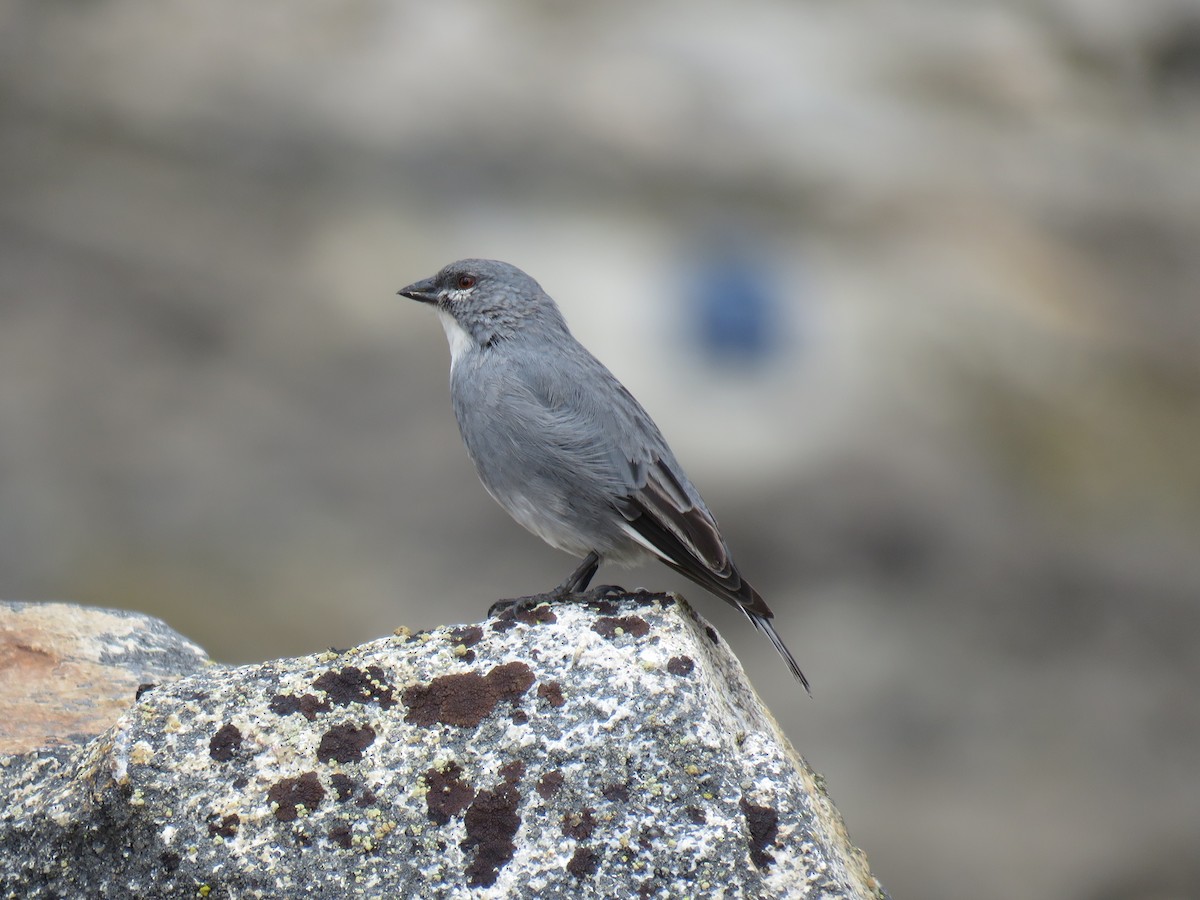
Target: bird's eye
<point>466,281</point>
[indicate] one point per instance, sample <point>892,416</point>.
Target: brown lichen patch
<point>511,680</point>
<point>513,772</point>
<point>226,826</point>
<point>343,784</point>
<point>463,700</point>
<point>680,665</point>
<point>340,835</point>
<point>763,823</point>
<point>352,685</point>
<point>538,615</point>
<point>468,635</point>
<point>467,698</point>
<point>549,784</point>
<point>225,743</point>
<point>491,822</point>
<point>616,792</point>
<point>579,825</point>
<point>613,626</point>
<point>712,634</point>
<point>345,743</point>
<point>552,693</point>
<point>503,623</point>
<point>306,704</point>
<point>368,798</point>
<point>584,862</point>
<point>447,793</point>
<point>463,639</point>
<point>291,793</point>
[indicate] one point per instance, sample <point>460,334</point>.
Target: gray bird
<point>564,447</point>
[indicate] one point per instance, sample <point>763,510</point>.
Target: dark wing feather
<point>686,538</point>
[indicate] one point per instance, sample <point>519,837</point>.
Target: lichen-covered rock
<point>608,750</point>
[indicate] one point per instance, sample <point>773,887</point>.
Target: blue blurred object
<point>735,311</point>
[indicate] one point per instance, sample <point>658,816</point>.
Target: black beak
<point>425,291</point>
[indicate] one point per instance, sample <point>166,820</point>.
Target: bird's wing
<point>684,536</point>
<point>664,515</point>
<point>661,511</point>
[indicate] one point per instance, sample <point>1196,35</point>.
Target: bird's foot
<point>516,605</point>
<point>602,592</point>
<point>511,607</point>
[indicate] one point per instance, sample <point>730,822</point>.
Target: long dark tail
<point>727,584</point>
<point>767,626</point>
<point>749,602</point>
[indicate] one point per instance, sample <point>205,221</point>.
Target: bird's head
<point>488,301</point>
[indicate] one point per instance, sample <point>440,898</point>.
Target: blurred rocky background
<point>913,289</point>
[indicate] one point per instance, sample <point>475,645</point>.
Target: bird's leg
<point>574,584</point>
<point>578,580</point>
<point>575,588</point>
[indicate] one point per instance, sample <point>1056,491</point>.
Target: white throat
<point>458,338</point>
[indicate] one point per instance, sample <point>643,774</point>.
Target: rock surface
<point>608,750</point>
<point>69,672</point>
